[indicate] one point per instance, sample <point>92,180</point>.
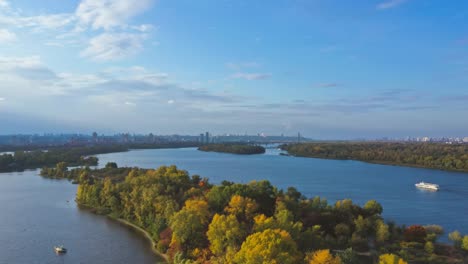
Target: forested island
<point>241,149</point>
<point>453,157</point>
<point>71,155</point>
<point>193,221</point>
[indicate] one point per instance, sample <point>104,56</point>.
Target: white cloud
<point>251,76</point>
<point>144,27</point>
<point>7,36</point>
<point>107,14</point>
<point>390,4</point>
<point>113,46</point>
<point>41,22</point>
<point>170,101</point>
<point>2,99</point>
<point>4,3</point>
<point>8,63</point>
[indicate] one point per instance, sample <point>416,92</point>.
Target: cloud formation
<point>108,14</point>
<point>6,36</point>
<point>104,26</point>
<point>112,46</point>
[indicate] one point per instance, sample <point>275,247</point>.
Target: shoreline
<point>378,163</point>
<point>145,234</point>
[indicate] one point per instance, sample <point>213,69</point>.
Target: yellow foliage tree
<point>224,232</point>
<point>322,257</point>
<point>242,207</point>
<point>268,247</point>
<point>391,259</point>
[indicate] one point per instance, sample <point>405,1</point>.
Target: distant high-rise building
<point>202,138</point>
<point>465,139</point>
<point>207,137</point>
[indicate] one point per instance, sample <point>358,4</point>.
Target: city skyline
<point>329,69</point>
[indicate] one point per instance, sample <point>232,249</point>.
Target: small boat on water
<point>427,186</point>
<point>60,249</point>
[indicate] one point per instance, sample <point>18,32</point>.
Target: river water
<point>35,216</point>
<point>38,213</point>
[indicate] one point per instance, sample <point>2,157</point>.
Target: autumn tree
<point>391,259</point>
<point>372,207</point>
<point>382,233</point>
<point>270,246</point>
<point>464,244</point>
<point>456,238</point>
<point>189,225</point>
<point>224,232</point>
<point>322,257</point>
<point>415,233</point>
<point>243,208</point>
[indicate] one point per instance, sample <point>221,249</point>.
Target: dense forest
<point>243,149</point>
<point>193,221</point>
<point>428,155</point>
<point>72,156</point>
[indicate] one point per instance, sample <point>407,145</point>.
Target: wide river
<point>37,213</point>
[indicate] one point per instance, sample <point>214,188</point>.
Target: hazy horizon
<point>326,69</point>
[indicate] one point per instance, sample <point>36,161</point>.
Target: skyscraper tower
<point>207,137</point>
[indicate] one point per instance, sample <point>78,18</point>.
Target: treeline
<point>73,156</point>
<point>243,149</point>
<point>193,221</point>
<point>428,155</point>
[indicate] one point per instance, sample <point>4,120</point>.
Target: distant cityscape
<point>202,138</point>
<point>127,138</point>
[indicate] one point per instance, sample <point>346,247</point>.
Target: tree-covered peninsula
<point>427,155</point>
<point>242,149</point>
<point>193,221</point>
<point>45,156</point>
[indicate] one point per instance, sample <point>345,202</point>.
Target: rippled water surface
<point>36,214</point>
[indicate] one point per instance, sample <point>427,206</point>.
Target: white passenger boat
<point>427,186</point>
<point>60,249</point>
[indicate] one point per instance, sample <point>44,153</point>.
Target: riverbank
<point>419,155</point>
<point>145,234</point>
<point>140,230</point>
<point>23,159</point>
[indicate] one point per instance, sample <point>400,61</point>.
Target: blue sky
<point>330,69</point>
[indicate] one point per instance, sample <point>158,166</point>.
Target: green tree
<point>348,256</point>
<point>111,165</point>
